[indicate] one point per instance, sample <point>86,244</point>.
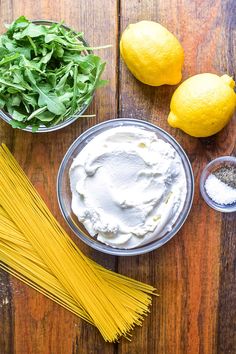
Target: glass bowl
<point>210,168</point>
<point>64,192</point>
<point>42,129</point>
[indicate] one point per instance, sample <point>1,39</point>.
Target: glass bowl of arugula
<point>48,75</point>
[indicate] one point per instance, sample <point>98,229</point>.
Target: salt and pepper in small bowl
<point>218,184</point>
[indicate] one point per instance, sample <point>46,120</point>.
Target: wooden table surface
<point>195,272</point>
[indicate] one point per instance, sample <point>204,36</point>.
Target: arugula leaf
<point>45,59</point>
<point>46,116</point>
<point>30,99</point>
<point>37,112</point>
<point>32,31</point>
<point>33,45</point>
<point>8,83</point>
<point>15,100</point>
<point>17,124</point>
<point>18,115</point>
<point>21,22</point>
<point>9,58</point>
<point>2,102</point>
<point>75,88</point>
<point>52,101</point>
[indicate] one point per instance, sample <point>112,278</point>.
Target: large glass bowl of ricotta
<point>110,206</point>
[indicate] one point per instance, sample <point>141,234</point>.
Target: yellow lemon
<point>203,104</point>
<point>152,53</point>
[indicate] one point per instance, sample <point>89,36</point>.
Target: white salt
<point>219,191</point>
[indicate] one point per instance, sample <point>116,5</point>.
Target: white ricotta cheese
<point>128,187</point>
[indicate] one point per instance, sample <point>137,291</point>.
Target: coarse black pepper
<point>227,174</point>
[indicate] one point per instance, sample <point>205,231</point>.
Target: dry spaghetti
<point>35,248</point>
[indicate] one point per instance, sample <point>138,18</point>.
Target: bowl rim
<point>71,119</point>
<point>227,208</point>
<point>154,244</point>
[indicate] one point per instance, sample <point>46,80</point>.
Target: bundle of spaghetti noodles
<point>35,249</point>
<point>27,266</point>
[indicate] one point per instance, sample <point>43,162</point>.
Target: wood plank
<point>227,292</point>
<point>6,315</point>
<point>186,270</point>
<point>38,325</point>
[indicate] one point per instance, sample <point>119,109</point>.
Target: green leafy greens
<point>47,73</point>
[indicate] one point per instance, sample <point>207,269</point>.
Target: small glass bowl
<point>64,192</point>
<point>210,168</point>
<point>42,129</point>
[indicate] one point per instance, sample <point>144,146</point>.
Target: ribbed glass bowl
<point>42,129</point>
<point>64,192</point>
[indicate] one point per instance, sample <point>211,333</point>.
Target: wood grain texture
<point>37,325</point>
<point>6,315</point>
<point>186,270</point>
<point>227,291</point>
<point>195,272</point>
